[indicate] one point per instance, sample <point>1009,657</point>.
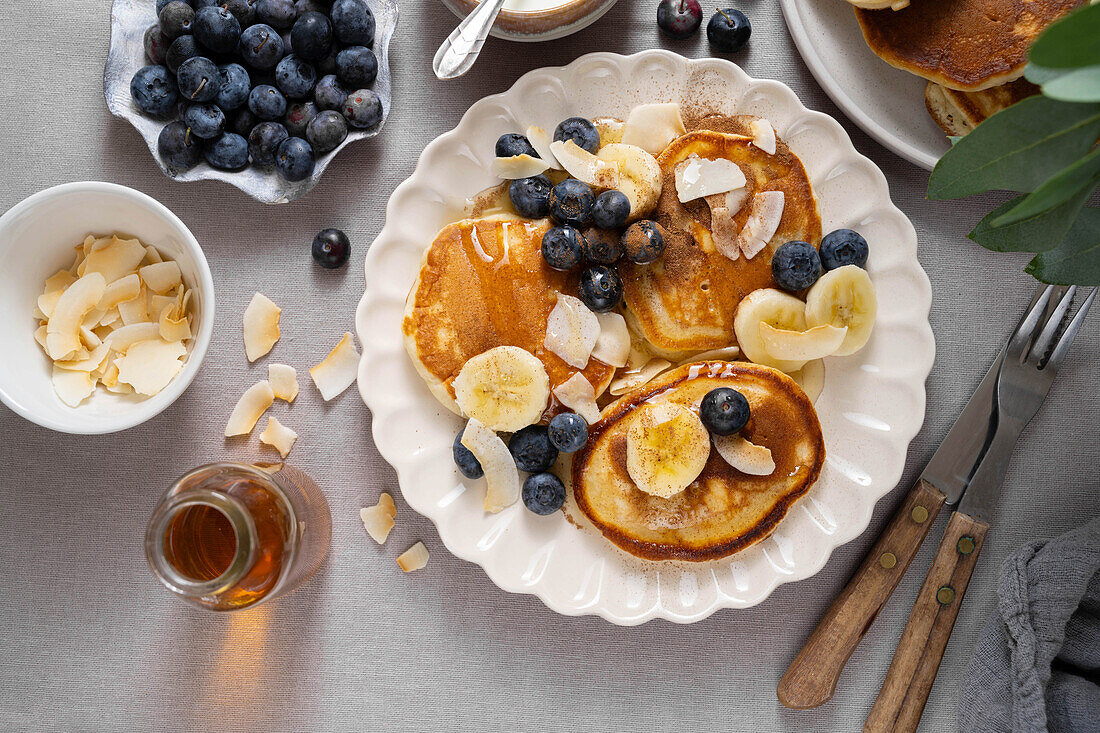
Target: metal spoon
<point>459,52</point>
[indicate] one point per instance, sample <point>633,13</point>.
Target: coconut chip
<point>540,140</point>
<point>765,213</point>
<point>755,460</point>
<point>723,229</point>
<point>278,436</point>
<point>613,345</point>
<point>653,126</point>
<point>501,474</point>
<point>578,394</point>
<point>518,166</point>
<point>172,328</point>
<point>148,366</point>
<point>252,404</point>
<point>152,256</point>
<point>261,326</point>
<point>413,558</point>
<point>134,311</point>
<point>632,380</point>
<point>378,520</point>
<point>284,381</point>
<point>123,289</point>
<point>123,338</point>
<point>338,370</point>
<point>71,386</point>
<point>763,135</point>
<point>112,258</point>
<point>584,166</point>
<point>63,328</point>
<point>572,331</point>
<point>698,178</point>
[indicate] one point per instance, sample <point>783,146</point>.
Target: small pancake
<point>968,45</point>
<point>483,284</point>
<point>724,510</point>
<point>685,301</point>
<point>957,113</point>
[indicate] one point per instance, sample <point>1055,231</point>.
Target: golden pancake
<point>957,113</point>
<point>723,510</point>
<point>685,301</point>
<point>483,284</point>
<point>968,45</point>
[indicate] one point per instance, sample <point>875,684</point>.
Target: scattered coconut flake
<point>578,394</point>
<point>152,256</point>
<point>110,318</point>
<point>72,387</point>
<point>584,166</point>
<point>698,178</point>
<point>116,258</point>
<point>284,381</point>
<point>121,339</point>
<point>47,302</point>
<point>518,166</point>
<point>261,326</point>
<point>811,378</point>
<point>63,329</point>
<point>735,199</point>
<point>278,436</point>
<point>338,370</point>
<point>723,229</point>
<point>158,304</point>
<point>88,361</point>
<point>40,337</point>
<point>813,343</point>
<point>632,380</point>
<point>501,474</point>
<point>134,311</point>
<point>173,329</point>
<point>58,281</point>
<point>252,404</point>
<point>763,135</point>
<point>148,366</point>
<point>572,331</point>
<point>613,345</point>
<point>540,140</point>
<point>110,376</point>
<point>413,558</point>
<point>653,126</point>
<point>378,520</point>
<point>764,216</point>
<point>755,460</point>
<point>125,288</point>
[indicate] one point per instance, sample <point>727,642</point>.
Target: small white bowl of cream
<point>538,20</point>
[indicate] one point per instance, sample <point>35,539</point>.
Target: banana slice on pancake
<point>639,177</point>
<point>768,306</point>
<point>667,448</point>
<point>844,298</point>
<point>505,388</point>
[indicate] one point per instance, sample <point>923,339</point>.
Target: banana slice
<point>775,308</point>
<point>639,177</point>
<point>506,388</point>
<point>501,474</point>
<point>667,447</point>
<point>813,343</point>
<point>844,297</point>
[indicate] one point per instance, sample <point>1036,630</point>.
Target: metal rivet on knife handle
<point>920,514</point>
<point>887,560</point>
<point>945,595</point>
<point>966,545</point>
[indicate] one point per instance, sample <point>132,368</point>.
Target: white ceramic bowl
<point>37,237</point>
<point>534,20</point>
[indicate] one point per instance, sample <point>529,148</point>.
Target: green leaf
<point>1079,85</point>
<point>1017,149</point>
<point>1071,42</point>
<point>1041,75</point>
<point>1084,175</point>
<point>1077,260</point>
<point>1039,233</point>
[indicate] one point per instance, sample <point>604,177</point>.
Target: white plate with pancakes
<point>870,408</point>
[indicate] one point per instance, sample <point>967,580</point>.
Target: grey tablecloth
<point>88,641</point>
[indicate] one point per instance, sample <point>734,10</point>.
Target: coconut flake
<point>134,311</point>
<point>278,436</point>
<point>378,519</point>
<point>518,166</point>
<point>632,380</point>
<point>755,460</point>
<point>173,329</point>
<point>763,135</point>
<point>161,276</point>
<point>764,216</point>
<point>613,344</point>
<point>284,381</point>
<point>723,229</point>
<point>121,339</point>
<point>252,404</point>
<point>261,326</point>
<point>40,337</point>
<point>501,474</point>
<point>88,361</point>
<point>125,288</point>
<point>338,370</point>
<point>811,378</point>
<point>63,329</point>
<point>653,126</point>
<point>114,259</point>
<point>148,366</point>
<point>152,256</point>
<point>698,178</point>
<point>72,387</point>
<point>413,558</point>
<point>540,140</point>
<point>578,394</point>
<point>584,166</point>
<point>572,331</point>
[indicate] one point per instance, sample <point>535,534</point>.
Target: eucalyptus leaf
<point>1041,75</point>
<point>1079,85</point>
<point>1039,233</point>
<point>1077,260</point>
<point>1072,42</point>
<point>1084,175</point>
<point>1017,149</point>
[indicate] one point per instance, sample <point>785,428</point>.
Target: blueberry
<point>532,450</point>
<point>294,159</point>
<point>679,18</point>
<point>796,266</point>
<point>234,88</point>
<point>511,143</point>
<point>568,432</point>
<point>162,3</point>
<point>600,288</point>
<point>205,120</point>
<point>644,242</point>
<point>467,463</point>
<point>242,121</point>
<point>243,10</point>
<point>580,131</point>
<point>176,19</point>
<point>530,196</point>
<point>543,493</point>
<point>326,65</point>
<point>363,109</point>
<point>353,22</point>
<point>311,36</point>
<point>179,148</point>
<point>199,79</point>
<point>264,140</point>
<point>331,248</point>
<point>261,47</point>
<point>295,77</point>
<point>279,14</point>
<point>329,93</point>
<point>326,131</point>
<point>154,91</point>
<point>602,246</point>
<point>298,115</point>
<point>156,45</point>
<point>267,102</point>
<point>288,42</point>
<point>228,152</point>
<point>611,210</point>
<point>563,248</point>
<point>571,202</point>
<point>843,247</point>
<point>217,29</point>
<point>200,4</point>
<point>729,30</point>
<point>357,67</point>
<point>181,49</point>
<point>311,6</point>
<point>724,411</point>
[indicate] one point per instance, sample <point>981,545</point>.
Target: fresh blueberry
<point>543,493</point>
<point>298,115</point>
<point>242,121</point>
<point>331,248</point>
<point>600,288</point>
<point>571,202</point>
<point>580,131</point>
<point>311,36</point>
<point>796,266</point>
<point>563,248</point>
<point>279,14</point>
<point>288,42</point>
<point>511,143</point>
<point>294,159</point>
<point>329,93</point>
<point>602,246</point>
<point>162,3</point>
<point>326,131</point>
<point>176,19</point>
<point>644,242</point>
<point>200,4</point>
<point>217,29</point>
<point>357,67</point>
<point>295,77</point>
<point>532,450</point>
<point>228,152</point>
<point>181,49</point>
<point>235,86</point>
<point>611,210</point>
<point>267,102</point>
<point>205,120</point>
<point>326,65</point>
<point>154,91</point>
<point>843,247</point>
<point>724,411</point>
<point>199,79</point>
<point>729,30</point>
<point>530,196</point>
<point>264,141</point>
<point>467,463</point>
<point>156,45</point>
<point>311,6</point>
<point>679,18</point>
<point>243,10</point>
<point>568,432</point>
<point>179,148</point>
<point>363,109</point>
<point>353,22</point>
<point>261,47</point>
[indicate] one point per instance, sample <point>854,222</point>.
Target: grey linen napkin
<point>1035,669</point>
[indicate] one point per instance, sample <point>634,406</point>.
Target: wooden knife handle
<point>812,676</point>
<point>901,700</point>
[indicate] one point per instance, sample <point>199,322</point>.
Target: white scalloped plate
<point>871,407</point>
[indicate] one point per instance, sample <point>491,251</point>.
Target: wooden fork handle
<point>901,700</point>
<point>811,678</point>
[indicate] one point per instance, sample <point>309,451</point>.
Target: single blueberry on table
<point>602,246</point>
<point>311,36</point>
<point>217,29</point>
<point>571,202</point>
<point>543,493</point>
<point>243,10</point>
<point>611,210</point>
<point>843,247</point>
<point>357,67</point>
<point>182,49</point>
<point>532,450</point>
<point>600,288</point>
<point>530,196</point>
<point>154,91</point>
<point>156,45</point>
<point>363,109</point>
<point>298,115</point>
<point>729,30</point>
<point>242,121</point>
<point>264,141</point>
<point>580,131</point>
<point>329,93</point>
<point>261,47</point>
<point>326,131</point>
<point>295,77</point>
<point>568,432</point>
<point>279,14</point>
<point>724,411</point>
<point>235,86</point>
<point>563,248</point>
<point>511,143</point>
<point>796,266</point>
<point>352,22</point>
<point>331,248</point>
<point>294,159</point>
<point>205,120</point>
<point>228,152</point>
<point>179,148</point>
<point>199,79</point>
<point>679,18</point>
<point>643,242</point>
<point>467,463</point>
<point>267,102</point>
<point>176,19</point>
